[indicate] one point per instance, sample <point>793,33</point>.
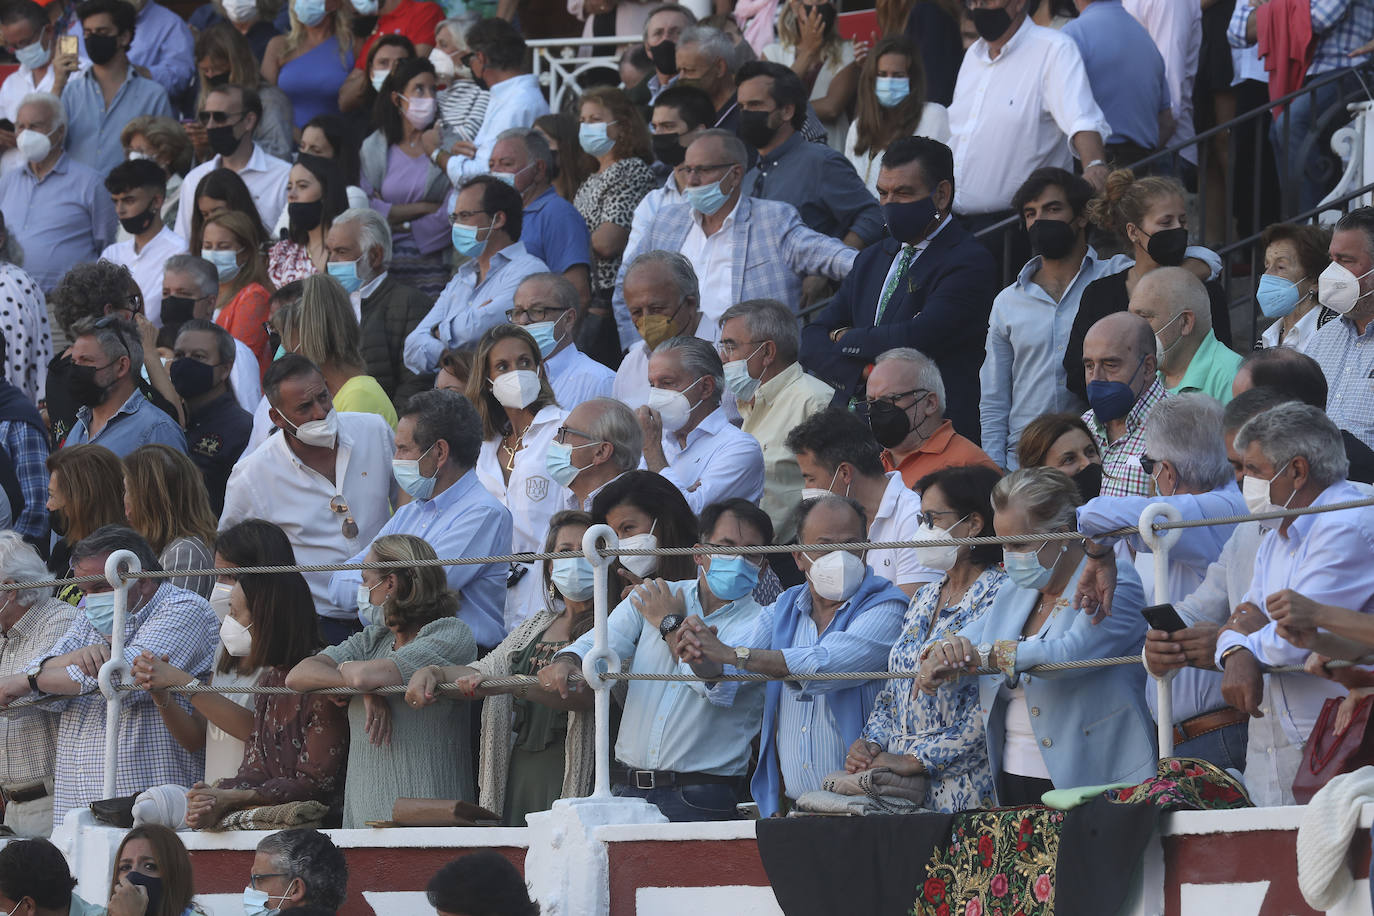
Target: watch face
<point>670,623</point>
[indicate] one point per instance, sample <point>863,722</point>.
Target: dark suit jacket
<point>941,308</point>
<point>389,314</point>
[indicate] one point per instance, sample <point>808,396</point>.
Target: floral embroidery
<point>1187,783</point>
<point>997,863</point>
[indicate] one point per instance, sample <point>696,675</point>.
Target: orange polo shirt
<point>944,449</point>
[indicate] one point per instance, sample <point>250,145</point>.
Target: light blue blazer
<point>1092,724</point>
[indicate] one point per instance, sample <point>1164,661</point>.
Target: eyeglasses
<point>462,216</point>
<point>561,437</point>
<point>687,171</point>
<point>466,59</point>
<point>536,314</point>
<point>254,879</point>
<point>339,506</point>
<point>219,117</point>
<point>892,399</point>
<point>1147,464</point>
<point>110,322</point>
<point>928,516</point>
<point>754,561</point>
<point>273,338</point>
<point>727,348</point>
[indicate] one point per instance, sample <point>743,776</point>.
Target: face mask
<point>1052,239</point>
<point>1257,499</point>
<point>1337,288</point>
<point>837,575</point>
<point>1167,246</point>
<point>191,377</point>
<point>708,198</point>
<point>306,215</point>
<point>135,154</point>
<point>594,139</point>
<point>664,56</point>
<point>817,493</point>
<point>177,310</point>
<point>657,328</point>
<point>226,262</point>
<point>419,111</point>
<point>83,387</point>
<point>672,406</point>
<point>754,128</point>
<point>1089,482</point>
<point>465,240</point>
<point>641,566</point>
<point>34,146</point>
<point>890,423</point>
<point>310,12</point>
<point>281,351</point>
<point>365,7</point>
<point>516,389</point>
<point>237,639</point>
<point>99,610</point>
<point>509,177</point>
<point>240,10</point>
<point>574,577</point>
<point>372,615</point>
<point>908,222</point>
<point>255,903</point>
<point>222,140</point>
<point>1112,400</point>
<point>991,24</point>
<point>542,332</point>
<point>730,578</point>
<point>57,521</point>
<point>738,379</point>
<point>1161,350</point>
<point>137,225</point>
<point>892,90</point>
<point>558,462</point>
<point>101,49</point>
<point>941,558</point>
<point>1025,569</point>
<point>33,56</point>
<point>151,885</point>
<point>319,433</point>
<point>408,476</point>
<point>668,149</point>
<point>219,79</point>
<point>346,272</point>
<point>219,599</point>
<point>1276,296</point>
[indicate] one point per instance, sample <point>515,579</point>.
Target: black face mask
<point>177,310</point>
<point>889,423</point>
<point>1052,238</point>
<point>101,48</point>
<point>153,886</point>
<point>191,377</point>
<point>305,216</point>
<point>1089,482</point>
<point>668,149</point>
<point>57,521</point>
<point>137,225</point>
<point>83,387</point>
<point>754,129</point>
<point>1168,246</point>
<point>991,24</point>
<point>664,56</point>
<point>219,79</point>
<point>908,221</point>
<point>222,139</point>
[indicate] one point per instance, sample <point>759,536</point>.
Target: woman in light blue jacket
<point>1059,729</point>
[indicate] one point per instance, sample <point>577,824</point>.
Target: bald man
<point>1120,367</point>
<point>1191,358</point>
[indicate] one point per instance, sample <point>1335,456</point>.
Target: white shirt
<point>265,176</point>
<point>1297,337</point>
<point>273,484</point>
<point>720,461</point>
<point>20,83</point>
<point>1015,114</point>
<point>515,102</point>
<point>576,377</point>
<point>532,498</point>
<point>146,266</point>
<point>712,258</point>
<point>934,124</point>
<point>897,518</point>
<point>1177,31</point>
<point>245,379</point>
<point>358,295</point>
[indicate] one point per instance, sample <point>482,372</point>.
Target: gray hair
<point>19,562</point>
<point>768,319</point>
<point>115,338</point>
<point>197,268</point>
<point>1298,430</point>
<point>1047,496</point>
<point>536,146</point>
<point>458,27</point>
<point>111,538</point>
<point>1185,430</point>
<point>712,42</point>
<point>697,357</point>
<point>679,270</point>
<point>442,414</point>
<point>224,341</point>
<point>927,374</point>
<point>313,858</point>
<point>678,8</point>
<point>560,287</point>
<point>50,102</point>
<point>373,232</point>
<point>732,146</point>
<point>615,423</point>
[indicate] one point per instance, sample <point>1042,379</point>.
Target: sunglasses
<point>339,506</point>
<point>218,117</point>
<point>1147,464</point>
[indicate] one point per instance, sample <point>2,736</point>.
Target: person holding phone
<point>35,44</point>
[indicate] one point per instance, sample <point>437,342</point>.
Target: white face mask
<point>219,600</point>
<point>237,639</point>
<point>319,433</point>
<point>372,615</point>
<point>1337,288</point>
<point>641,566</point>
<point>1256,492</point>
<point>672,406</point>
<point>836,576</point>
<point>33,145</point>
<point>516,389</point>
<point>817,492</point>
<point>941,558</point>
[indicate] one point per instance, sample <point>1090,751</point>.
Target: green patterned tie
<point>908,252</point>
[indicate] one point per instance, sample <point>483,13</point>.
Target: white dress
<point>934,124</point>
<point>778,54</point>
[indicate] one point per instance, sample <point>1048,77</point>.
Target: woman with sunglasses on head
<point>314,197</point>
<point>228,242</point>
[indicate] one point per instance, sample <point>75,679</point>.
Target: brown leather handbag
<point>1328,754</point>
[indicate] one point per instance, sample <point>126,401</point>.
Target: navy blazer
<point>941,309</point>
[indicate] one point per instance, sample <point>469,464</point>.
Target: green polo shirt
<point>1212,370</point>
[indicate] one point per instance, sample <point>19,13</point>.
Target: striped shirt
<point>462,108</point>
<point>1122,474</point>
<point>189,553</point>
<point>29,738</point>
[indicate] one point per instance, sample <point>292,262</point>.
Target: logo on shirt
<point>208,445</point>
<point>536,488</point>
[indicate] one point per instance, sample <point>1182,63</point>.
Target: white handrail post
<point>116,665</point>
<point>1160,543</point>
<point>601,650</point>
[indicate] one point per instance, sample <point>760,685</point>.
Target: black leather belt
<point>667,779</point>
<point>19,796</point>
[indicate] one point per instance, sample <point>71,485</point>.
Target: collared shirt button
<point>1035,710</point>
<point>1046,742</point>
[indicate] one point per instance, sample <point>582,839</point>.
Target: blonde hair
<point>495,423</point>
<point>341,29</point>
<point>1128,199</point>
<point>789,35</point>
<point>167,497</point>
<point>326,330</point>
<point>222,42</point>
<point>422,594</point>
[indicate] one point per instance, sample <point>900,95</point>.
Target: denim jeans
<point>708,802</point>
<point>1291,129</point>
<point>1224,747</point>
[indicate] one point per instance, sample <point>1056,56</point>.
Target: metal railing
<point>559,64</point>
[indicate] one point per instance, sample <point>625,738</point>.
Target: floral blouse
<point>297,749</point>
<point>287,261</point>
<point>945,731</point>
<point>610,196</point>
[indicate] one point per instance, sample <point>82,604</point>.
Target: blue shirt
<point>93,130</point>
<point>164,45</point>
<point>462,521</point>
<point>62,219</point>
<point>1347,360</point>
<point>822,184</point>
<point>555,233</point>
<point>1125,71</point>
<point>135,424</point>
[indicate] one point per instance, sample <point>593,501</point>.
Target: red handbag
<point>1328,754</point>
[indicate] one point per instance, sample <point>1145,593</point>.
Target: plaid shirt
<point>1122,474</point>
<point>176,623</point>
<point>1347,360</point>
<point>1340,26</point>
<point>28,738</point>
<point>28,449</point>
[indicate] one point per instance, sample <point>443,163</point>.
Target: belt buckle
<point>645,776</point>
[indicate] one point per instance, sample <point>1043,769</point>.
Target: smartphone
<point>67,45</point>
<point>1163,617</point>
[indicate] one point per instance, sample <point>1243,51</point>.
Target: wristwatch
<point>32,673</point>
<point>669,623</point>
<point>742,657</point>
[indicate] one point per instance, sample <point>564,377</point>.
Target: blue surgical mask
<point>466,242</point>
<point>408,476</point>
<point>594,139</point>
<point>558,462</point>
<point>1277,297</point>
<point>226,262</point>
<point>372,615</point>
<point>99,608</point>
<point>1025,570</point>
<point>730,577</point>
<point>309,12</point>
<point>708,198</point>
<point>892,90</point>
<point>281,351</point>
<point>738,379</point>
<point>1112,400</point>
<point>573,577</point>
<point>542,332</point>
<point>346,272</point>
